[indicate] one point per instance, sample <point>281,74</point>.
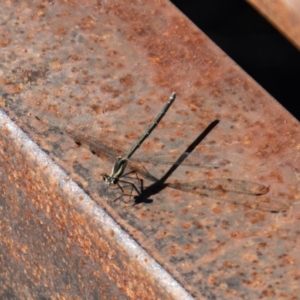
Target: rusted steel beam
<point>106,69</point>
<point>285,15</point>
<point>56,242</point>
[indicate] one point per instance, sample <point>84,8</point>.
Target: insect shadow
<point>160,184</point>
<point>236,191</point>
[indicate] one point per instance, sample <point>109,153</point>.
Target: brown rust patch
<point>112,62</point>
<point>127,80</point>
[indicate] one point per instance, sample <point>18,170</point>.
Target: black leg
<point>125,184</point>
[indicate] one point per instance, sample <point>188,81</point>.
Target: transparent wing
<point>235,191</point>
<point>112,153</point>
<point>224,185</point>
<point>206,162</point>
<point>101,150</point>
<point>97,148</point>
<point>137,167</point>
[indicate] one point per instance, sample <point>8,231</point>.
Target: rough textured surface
<point>107,68</point>
<point>284,14</point>
<point>55,240</point>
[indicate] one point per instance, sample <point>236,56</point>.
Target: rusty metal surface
<point>107,68</point>
<point>284,14</point>
<point>56,242</point>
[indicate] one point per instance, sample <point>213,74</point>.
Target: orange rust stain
<point>188,247</point>
<point>173,251</point>
<point>185,210</point>
<point>87,23</point>
<point>56,65</point>
<point>60,31</point>
<point>285,259</point>
<point>131,135</point>
<point>111,53</point>
<point>141,102</point>
<point>111,107</point>
<point>258,217</point>
<point>239,235</point>
<point>186,225</point>
<point>197,224</point>
<point>108,89</point>
<point>127,80</point>
<point>4,41</point>
<point>182,112</point>
<point>229,264</point>
<point>217,210</point>
<point>162,234</point>
<point>212,280</point>
<point>268,293</point>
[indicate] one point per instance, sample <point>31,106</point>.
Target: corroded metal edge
<point>284,15</point>
<point>160,281</point>
<point>122,65</point>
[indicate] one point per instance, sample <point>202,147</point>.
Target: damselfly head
<point>109,180</point>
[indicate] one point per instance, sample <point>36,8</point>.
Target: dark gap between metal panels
<point>253,43</point>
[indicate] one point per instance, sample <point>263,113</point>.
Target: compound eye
<point>109,180</point>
